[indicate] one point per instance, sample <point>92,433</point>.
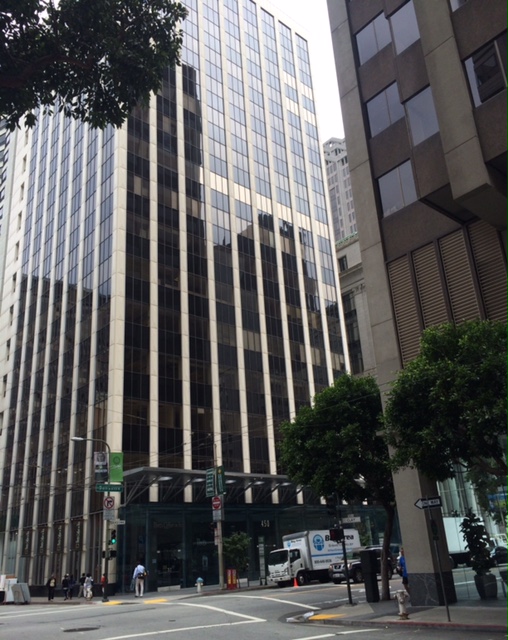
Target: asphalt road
<point>251,615</point>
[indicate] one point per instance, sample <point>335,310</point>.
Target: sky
<point>312,16</point>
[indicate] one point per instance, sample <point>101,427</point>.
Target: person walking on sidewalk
<point>139,580</point>
<point>104,585</point>
<point>81,591</point>
<point>51,585</point>
<point>88,587</point>
<point>402,569</point>
<point>66,584</point>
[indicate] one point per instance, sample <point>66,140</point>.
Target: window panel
<point>384,109</point>
<point>422,116</point>
<point>405,27</point>
<point>372,38</point>
<point>397,188</point>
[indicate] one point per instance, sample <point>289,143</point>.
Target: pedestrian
<point>139,576</point>
<point>51,585</point>
<point>402,569</point>
<point>66,586</point>
<point>104,584</point>
<point>88,587</point>
<point>81,591</point>
<point>72,584</point>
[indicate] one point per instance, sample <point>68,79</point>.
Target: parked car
<point>337,571</point>
<point>499,555</point>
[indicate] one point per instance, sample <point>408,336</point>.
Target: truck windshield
<point>278,557</point>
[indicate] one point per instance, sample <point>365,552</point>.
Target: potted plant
<point>236,553</point>
<point>477,542</point>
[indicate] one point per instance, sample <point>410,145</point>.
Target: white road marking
<point>347,633</point>
<point>197,628</point>
<point>294,604</point>
<point>327,635</point>
<point>218,609</point>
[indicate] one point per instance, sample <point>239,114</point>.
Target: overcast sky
<point>312,15</point>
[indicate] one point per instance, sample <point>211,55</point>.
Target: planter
<point>486,586</point>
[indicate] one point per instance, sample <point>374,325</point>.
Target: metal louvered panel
<point>404,304</point>
<point>459,278</point>
<point>490,268</point>
<point>430,287</point>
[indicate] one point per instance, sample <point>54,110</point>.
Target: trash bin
<point>368,559</point>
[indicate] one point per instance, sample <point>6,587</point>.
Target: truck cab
<point>284,566</point>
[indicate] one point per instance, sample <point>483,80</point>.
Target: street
<point>250,615</point>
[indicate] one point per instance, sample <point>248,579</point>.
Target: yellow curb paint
<point>111,602</point>
<point>327,616</point>
<point>155,600</point>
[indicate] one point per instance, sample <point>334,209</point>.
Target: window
<point>397,188</point>
<point>404,27</point>
<point>384,109</point>
<point>422,116</point>
<point>486,70</point>
<point>343,263</point>
<point>372,38</point>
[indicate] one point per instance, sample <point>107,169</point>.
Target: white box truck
<point>306,556</point>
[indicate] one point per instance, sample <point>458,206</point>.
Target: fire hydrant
<point>402,598</point>
<point>199,585</point>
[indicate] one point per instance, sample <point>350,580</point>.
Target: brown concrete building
<point>423,93</point>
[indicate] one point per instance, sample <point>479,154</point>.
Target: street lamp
<point>106,552</point>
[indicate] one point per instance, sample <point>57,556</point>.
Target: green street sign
<point>210,482</point>
<point>105,488</point>
<point>221,481</point>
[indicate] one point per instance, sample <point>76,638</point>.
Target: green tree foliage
<point>448,406</point>
<point>334,447</point>
<point>477,541</point>
<point>236,548</point>
<point>92,59</point>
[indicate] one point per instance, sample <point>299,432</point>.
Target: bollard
<point>199,585</point>
<point>402,597</point>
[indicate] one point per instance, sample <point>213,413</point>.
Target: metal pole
<point>344,553</point>
<point>106,523</point>
<point>220,548</point>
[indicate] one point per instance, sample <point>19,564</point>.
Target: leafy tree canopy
<point>335,448</point>
<point>92,59</point>
<point>448,406</point>
<point>236,548</point>
<point>336,443</point>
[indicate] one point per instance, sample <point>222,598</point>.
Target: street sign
<point>119,522</point>
<point>351,519</point>
<point>108,515</point>
<point>428,503</point>
<point>109,502</point>
<point>210,482</point>
<point>104,488</point>
<point>217,515</point>
<point>216,503</point>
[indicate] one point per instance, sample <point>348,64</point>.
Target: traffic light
<point>112,539</point>
<point>337,535</point>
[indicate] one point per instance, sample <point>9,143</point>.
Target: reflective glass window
<point>405,27</point>
<point>486,70</point>
<point>422,116</point>
<point>384,109</point>
<point>372,38</point>
<point>397,188</point>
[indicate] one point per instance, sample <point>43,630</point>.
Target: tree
<point>92,59</point>
<point>236,549</point>
<point>335,448</point>
<point>447,408</point>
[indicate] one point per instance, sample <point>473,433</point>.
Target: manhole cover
<point>76,629</point>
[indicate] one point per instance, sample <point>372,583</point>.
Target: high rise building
<point>339,188</point>
<point>423,93</point>
<point>170,293</point>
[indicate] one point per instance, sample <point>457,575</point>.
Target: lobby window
<point>486,70</point>
<point>384,109</point>
<point>422,116</point>
<point>372,38</point>
<point>397,188</point>
<point>404,27</point>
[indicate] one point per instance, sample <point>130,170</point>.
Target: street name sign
<point>351,519</point>
<point>428,503</point>
<point>104,488</point>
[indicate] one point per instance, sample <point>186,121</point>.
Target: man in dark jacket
<point>51,585</point>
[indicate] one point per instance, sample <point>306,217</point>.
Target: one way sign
<point>428,503</point>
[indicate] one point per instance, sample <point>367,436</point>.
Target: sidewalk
<point>468,616</point>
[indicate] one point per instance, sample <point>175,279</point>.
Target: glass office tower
<point>170,290</point>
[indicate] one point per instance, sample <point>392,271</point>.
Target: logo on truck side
<point>318,542</point>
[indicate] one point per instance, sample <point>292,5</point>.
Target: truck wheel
<point>335,581</point>
<point>301,578</point>
<point>282,584</point>
<point>357,576</point>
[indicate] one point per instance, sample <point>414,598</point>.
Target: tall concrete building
<point>170,293</point>
<point>339,188</point>
<point>423,93</point>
